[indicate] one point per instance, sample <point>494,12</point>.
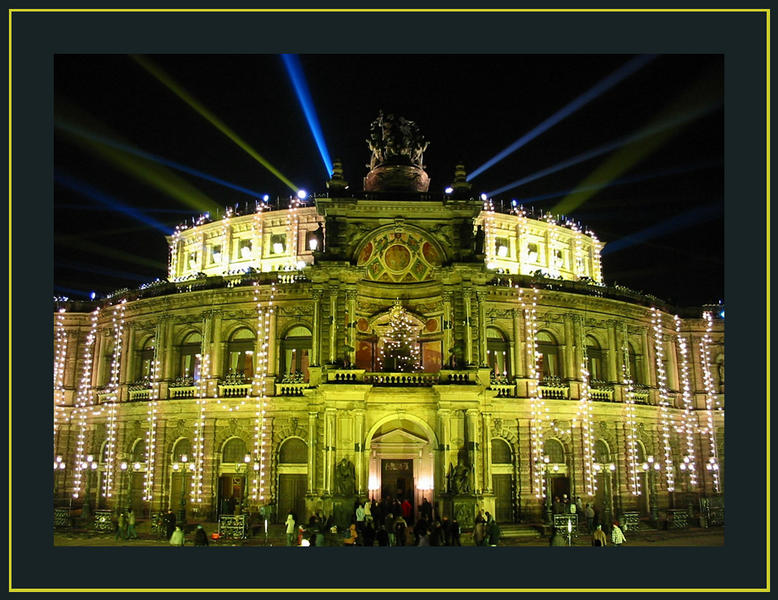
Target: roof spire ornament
<point>460,184</point>
<point>397,156</point>
<point>337,183</point>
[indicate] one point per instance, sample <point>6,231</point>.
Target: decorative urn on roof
<point>396,164</point>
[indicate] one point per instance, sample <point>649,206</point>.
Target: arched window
<point>295,352</point>
<point>234,451</point>
<point>635,365</point>
<point>602,453</point>
<point>240,353</point>
<point>501,452</point>
<point>549,355</point>
<point>640,453</point>
<point>293,451</point>
<point>190,356</point>
<point>139,451</point>
<point>554,450</point>
<point>498,355</point>
<point>146,362</point>
<point>182,447</point>
<point>594,360</point>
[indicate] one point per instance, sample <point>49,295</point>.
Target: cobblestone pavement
<point>681,537</point>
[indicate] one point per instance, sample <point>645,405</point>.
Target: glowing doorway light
<point>295,71</point>
<point>592,93</point>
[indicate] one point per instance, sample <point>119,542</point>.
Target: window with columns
<point>189,362</point>
<point>498,353</point>
<point>295,351</point>
<point>594,359</point>
<point>548,349</point>
<point>146,362</point>
<point>240,353</point>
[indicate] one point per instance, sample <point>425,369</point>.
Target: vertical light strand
<point>596,256</point>
<point>664,404</point>
<point>151,423</point>
<point>712,463</point>
<point>113,400</point>
<point>529,304</point>
<point>579,265</point>
<point>292,224</point>
<point>264,315</point>
<point>630,419</point>
<point>83,400</point>
<point>585,414</point>
<point>689,422</point>
<point>60,358</point>
<point>489,237</point>
<point>174,251</point>
<point>258,225</point>
<point>199,431</point>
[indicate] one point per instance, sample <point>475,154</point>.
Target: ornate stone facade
<point>257,361</point>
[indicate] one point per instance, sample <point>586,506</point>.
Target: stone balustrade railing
<point>458,377</point>
<point>601,394</point>
<point>181,392</point>
<point>505,390</point>
<point>136,395</point>
<point>345,375</point>
<point>291,389</point>
<point>554,391</point>
<point>402,379</point>
<point>234,390</point>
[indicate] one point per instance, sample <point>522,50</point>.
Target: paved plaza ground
<point>692,536</point>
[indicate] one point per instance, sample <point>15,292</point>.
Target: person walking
<point>121,527</point>
<point>479,531</point>
<point>407,510</point>
<point>599,538</point>
<point>177,539</point>
<point>400,526</point>
<point>200,538</point>
<point>617,535</point>
<point>426,510</point>
<point>360,515</point>
<point>131,533</point>
<point>170,523</point>
<point>492,530</point>
<point>389,525</point>
<point>290,529</point>
<point>456,532</point>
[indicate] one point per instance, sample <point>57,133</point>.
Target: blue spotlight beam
<point>689,218</point>
<point>92,208</point>
<point>621,181</point>
<point>71,291</point>
<point>598,89</point>
<point>609,147</point>
<point>98,196</point>
<point>295,71</point>
<point>154,158</point>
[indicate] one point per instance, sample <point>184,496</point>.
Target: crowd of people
<point>390,523</point>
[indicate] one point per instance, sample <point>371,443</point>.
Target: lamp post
<point>86,509</point>
<point>608,469</point>
<point>183,467</point>
<point>652,467</point>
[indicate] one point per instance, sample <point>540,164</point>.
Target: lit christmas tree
<point>400,350</point>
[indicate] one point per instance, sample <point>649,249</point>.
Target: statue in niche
<point>459,476</point>
<point>345,478</point>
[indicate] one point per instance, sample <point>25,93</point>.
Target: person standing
<point>407,511</point>
<point>456,532</point>
<point>579,508</point>
<point>131,533</point>
<point>368,512</point>
<point>177,539</point>
<point>589,514</point>
<point>426,510</point>
<point>360,515</point>
<point>479,531</point>
<point>290,531</point>
<point>389,526</point>
<point>617,535</point>
<point>400,526</point>
<point>200,538</point>
<point>599,538</point>
<point>170,523</point>
<point>492,530</point>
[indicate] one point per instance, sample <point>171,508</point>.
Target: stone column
<point>482,343</point>
<point>448,328</point>
<point>487,451</point>
<point>471,441</point>
<point>97,358</point>
<point>359,447</point>
<point>203,257</point>
<point>217,346</point>
<point>329,448</point>
<point>272,346</point>
<point>127,366</point>
<point>648,366</point>
<point>569,348</point>
<point>519,367</point>
<point>580,343</point>
<point>672,364</point>
<point>333,323</point>
<point>227,248</point>
<point>444,429</point>
<point>312,446</point>
<point>316,333</point>
<point>466,298</point>
<point>167,363</point>
<point>351,333</point>
<point>614,350</point>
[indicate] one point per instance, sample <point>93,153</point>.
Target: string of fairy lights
<point>529,303</point>
<point>663,397</point>
<point>60,358</point>
<point>596,258</point>
<point>293,225</point>
<point>711,402</point>
<point>111,425</point>
<point>688,420</point>
<point>151,422</point>
<point>264,316</point>
<point>83,400</point>
<point>630,420</point>
<point>198,447</point>
<point>489,236</point>
<point>585,416</point>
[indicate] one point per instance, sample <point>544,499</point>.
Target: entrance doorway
<point>397,479</point>
<point>503,506</point>
<point>231,493</point>
<point>291,496</point>
<point>560,485</point>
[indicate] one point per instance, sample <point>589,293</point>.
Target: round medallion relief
<point>397,258</point>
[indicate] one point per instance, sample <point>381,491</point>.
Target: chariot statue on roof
<point>395,141</point>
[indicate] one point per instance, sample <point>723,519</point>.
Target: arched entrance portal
<point>401,460</point>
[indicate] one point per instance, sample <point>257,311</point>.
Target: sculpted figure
<point>345,478</point>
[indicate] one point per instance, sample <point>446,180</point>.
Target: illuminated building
<point>408,332</point>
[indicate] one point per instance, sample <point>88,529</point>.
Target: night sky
<point>667,187</point>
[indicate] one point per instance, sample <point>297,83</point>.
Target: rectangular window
<point>245,248</point>
<point>502,247</point>
<point>278,243</point>
<point>216,254</point>
<point>533,254</point>
<point>193,262</point>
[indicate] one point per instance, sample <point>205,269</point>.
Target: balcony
<point>291,388</point>
<point>402,379</point>
<point>139,390</point>
<point>600,391</point>
<point>554,388</point>
<point>447,377</point>
<point>345,376</point>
